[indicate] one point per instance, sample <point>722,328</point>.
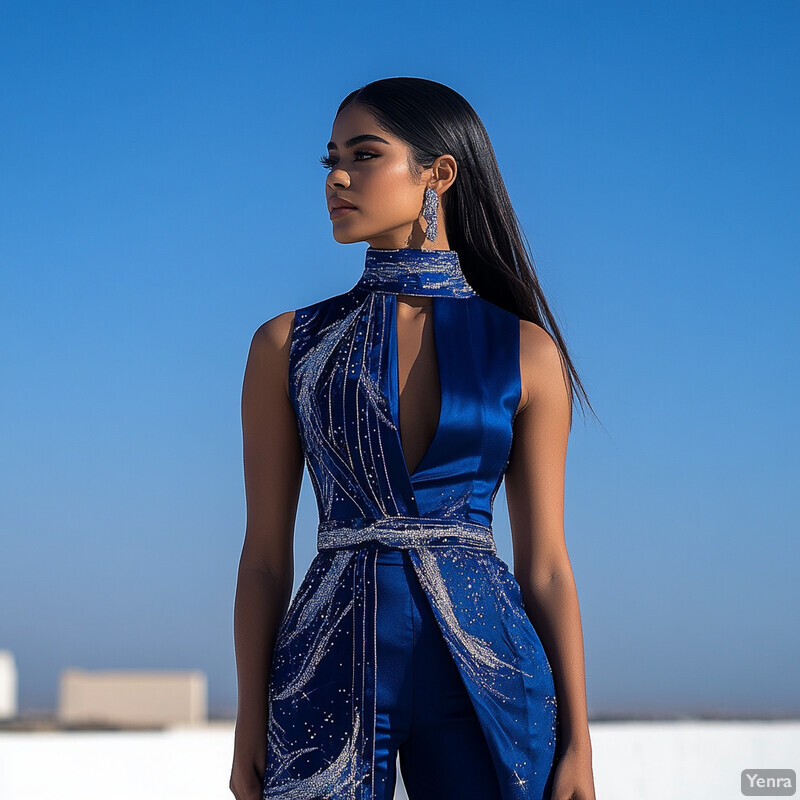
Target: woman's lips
<point>340,212</point>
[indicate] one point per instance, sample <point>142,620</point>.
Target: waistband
<point>406,532</point>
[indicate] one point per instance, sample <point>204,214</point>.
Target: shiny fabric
<point>423,711</point>
<point>329,662</point>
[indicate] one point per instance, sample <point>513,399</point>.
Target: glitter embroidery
<point>323,675</point>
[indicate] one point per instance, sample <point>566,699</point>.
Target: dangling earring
<point>429,209</point>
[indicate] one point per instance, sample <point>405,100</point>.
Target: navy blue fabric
<point>423,709</point>
<point>338,659</point>
<point>344,351</point>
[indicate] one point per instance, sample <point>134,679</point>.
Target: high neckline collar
<point>414,272</point>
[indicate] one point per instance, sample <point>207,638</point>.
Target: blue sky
<point>161,197</point>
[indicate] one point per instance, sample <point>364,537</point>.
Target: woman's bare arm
<point>273,472</point>
<point>535,496</point>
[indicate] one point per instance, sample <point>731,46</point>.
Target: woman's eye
<point>329,162</point>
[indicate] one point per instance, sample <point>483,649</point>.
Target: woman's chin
<point>346,237</point>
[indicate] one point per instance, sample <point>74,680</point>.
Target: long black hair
<point>482,226</point>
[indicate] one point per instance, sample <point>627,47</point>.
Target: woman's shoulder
<point>274,335</point>
<point>533,337</point>
<point>536,341</point>
<point>539,357</point>
<point>277,333</point>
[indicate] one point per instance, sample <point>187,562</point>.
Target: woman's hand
<point>573,779</point>
<point>246,782</point>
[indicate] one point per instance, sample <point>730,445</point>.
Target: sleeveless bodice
<point>345,391</point>
<point>343,386</point>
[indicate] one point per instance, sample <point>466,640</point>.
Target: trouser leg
<point>446,756</point>
<point>395,645</point>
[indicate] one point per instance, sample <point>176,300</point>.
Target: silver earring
<point>429,209</point>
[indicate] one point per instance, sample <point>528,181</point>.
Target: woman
<point>409,398</point>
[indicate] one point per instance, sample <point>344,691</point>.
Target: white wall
<point>8,685</point>
<point>691,760</point>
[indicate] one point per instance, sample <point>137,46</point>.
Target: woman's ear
<point>443,173</point>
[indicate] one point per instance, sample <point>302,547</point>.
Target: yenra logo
<point>768,782</point>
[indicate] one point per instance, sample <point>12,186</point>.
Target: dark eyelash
<point>329,162</point>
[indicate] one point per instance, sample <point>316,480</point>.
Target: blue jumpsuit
<point>408,633</point>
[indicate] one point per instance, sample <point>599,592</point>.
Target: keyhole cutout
<point>418,383</point>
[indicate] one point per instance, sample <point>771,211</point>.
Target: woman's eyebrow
<point>364,137</point>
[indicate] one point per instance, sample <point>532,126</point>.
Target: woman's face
<point>369,168</point>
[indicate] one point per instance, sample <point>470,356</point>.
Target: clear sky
<point>161,197</point>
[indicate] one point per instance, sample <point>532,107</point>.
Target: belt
<point>404,532</point>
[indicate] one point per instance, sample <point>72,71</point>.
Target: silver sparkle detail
<point>414,272</point>
<point>404,532</point>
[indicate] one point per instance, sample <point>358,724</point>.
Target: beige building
<point>135,698</point>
